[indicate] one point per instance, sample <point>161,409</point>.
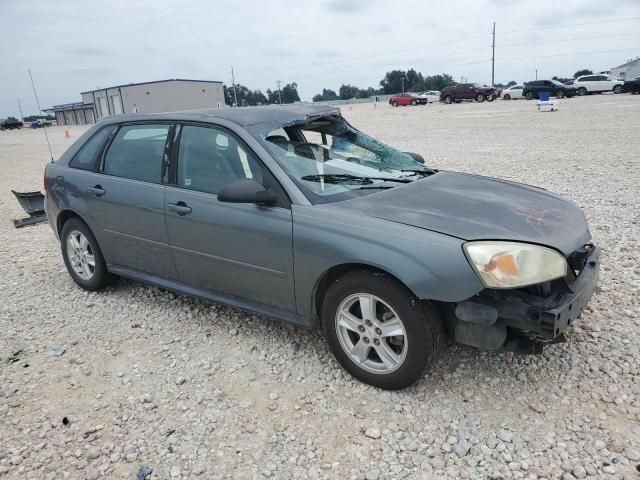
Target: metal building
<point>146,97</point>
<point>628,70</point>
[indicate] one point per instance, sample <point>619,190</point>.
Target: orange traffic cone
<point>66,133</point>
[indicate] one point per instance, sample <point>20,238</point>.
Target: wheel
<point>448,100</point>
<point>83,257</point>
<point>507,97</point>
<point>394,104</point>
<point>617,89</point>
<point>414,103</point>
<point>491,98</point>
<point>378,330</point>
<point>582,91</point>
<point>560,94</point>
<point>480,97</point>
<point>529,96</point>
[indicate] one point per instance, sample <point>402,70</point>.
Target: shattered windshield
<point>332,161</point>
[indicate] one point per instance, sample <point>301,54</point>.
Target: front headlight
<point>513,264</point>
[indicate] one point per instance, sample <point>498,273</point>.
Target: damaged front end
<point>524,319</point>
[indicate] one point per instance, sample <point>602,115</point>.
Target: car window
<point>86,157</point>
<point>137,152</point>
<point>516,88</point>
<point>211,158</point>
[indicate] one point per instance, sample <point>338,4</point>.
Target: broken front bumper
<point>488,320</point>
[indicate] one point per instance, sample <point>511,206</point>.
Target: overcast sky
<point>76,45</point>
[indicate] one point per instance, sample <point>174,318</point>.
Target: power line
<point>572,54</point>
<point>571,40</point>
<point>572,25</point>
<point>351,59</point>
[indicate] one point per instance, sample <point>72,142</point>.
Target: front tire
<point>447,100</point>
<point>617,89</point>
<point>83,257</point>
<point>582,91</point>
<point>379,331</point>
<point>507,97</point>
<point>560,94</point>
<point>480,97</point>
<point>394,104</point>
<point>414,103</point>
<point>529,96</point>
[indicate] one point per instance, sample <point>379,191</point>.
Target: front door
<point>244,250</point>
<point>127,198</point>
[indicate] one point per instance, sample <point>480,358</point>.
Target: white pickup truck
<point>597,84</point>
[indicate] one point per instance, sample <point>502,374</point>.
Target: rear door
<point>244,250</point>
<point>127,199</point>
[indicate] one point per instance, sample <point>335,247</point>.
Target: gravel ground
<point>194,390</point>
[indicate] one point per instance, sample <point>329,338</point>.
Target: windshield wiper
<point>355,179</point>
<point>426,171</point>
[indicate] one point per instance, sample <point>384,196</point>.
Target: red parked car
<point>407,99</point>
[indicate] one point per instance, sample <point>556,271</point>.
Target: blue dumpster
<point>544,96</point>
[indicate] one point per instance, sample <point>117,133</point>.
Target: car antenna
<point>40,111</point>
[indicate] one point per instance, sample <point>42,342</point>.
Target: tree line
<point>244,97</point>
<point>394,81</point>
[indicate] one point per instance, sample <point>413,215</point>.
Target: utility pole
<point>402,79</point>
<point>20,108</point>
<point>536,73</point>
<point>279,93</point>
<point>233,81</point>
<point>493,56</point>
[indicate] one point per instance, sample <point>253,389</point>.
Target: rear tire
<point>617,89</point>
<point>529,96</point>
<point>447,99</point>
<point>414,103</point>
<point>560,94</point>
<point>480,97</point>
<point>352,333</point>
<point>507,97</point>
<point>582,91</point>
<point>394,104</point>
<point>83,257</point>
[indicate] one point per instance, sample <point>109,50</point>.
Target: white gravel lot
<point>194,390</point>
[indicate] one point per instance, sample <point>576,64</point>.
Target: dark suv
<point>532,89</point>
<point>467,91</point>
<point>10,123</point>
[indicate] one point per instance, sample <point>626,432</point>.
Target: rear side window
<point>137,152</point>
<point>86,157</point>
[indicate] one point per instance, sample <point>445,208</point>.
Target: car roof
<point>244,116</point>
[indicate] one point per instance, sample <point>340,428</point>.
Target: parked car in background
<point>467,91</point>
<point>532,89</point>
<point>10,124</point>
<point>407,98</point>
<point>632,86</point>
<point>597,84</point>
<point>431,96</point>
<point>512,93</point>
<point>289,212</point>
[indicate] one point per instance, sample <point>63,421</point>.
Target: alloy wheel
<point>80,255</point>
<point>371,333</point>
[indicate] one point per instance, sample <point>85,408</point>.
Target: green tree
<point>347,91</point>
<point>584,71</point>
<point>289,94</point>
<point>326,95</point>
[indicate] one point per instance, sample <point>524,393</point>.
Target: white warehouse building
<point>147,97</point>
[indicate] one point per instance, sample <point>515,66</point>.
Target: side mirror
<point>246,190</point>
<point>416,156</point>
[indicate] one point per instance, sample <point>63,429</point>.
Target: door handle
<point>97,190</point>
<point>180,208</point>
